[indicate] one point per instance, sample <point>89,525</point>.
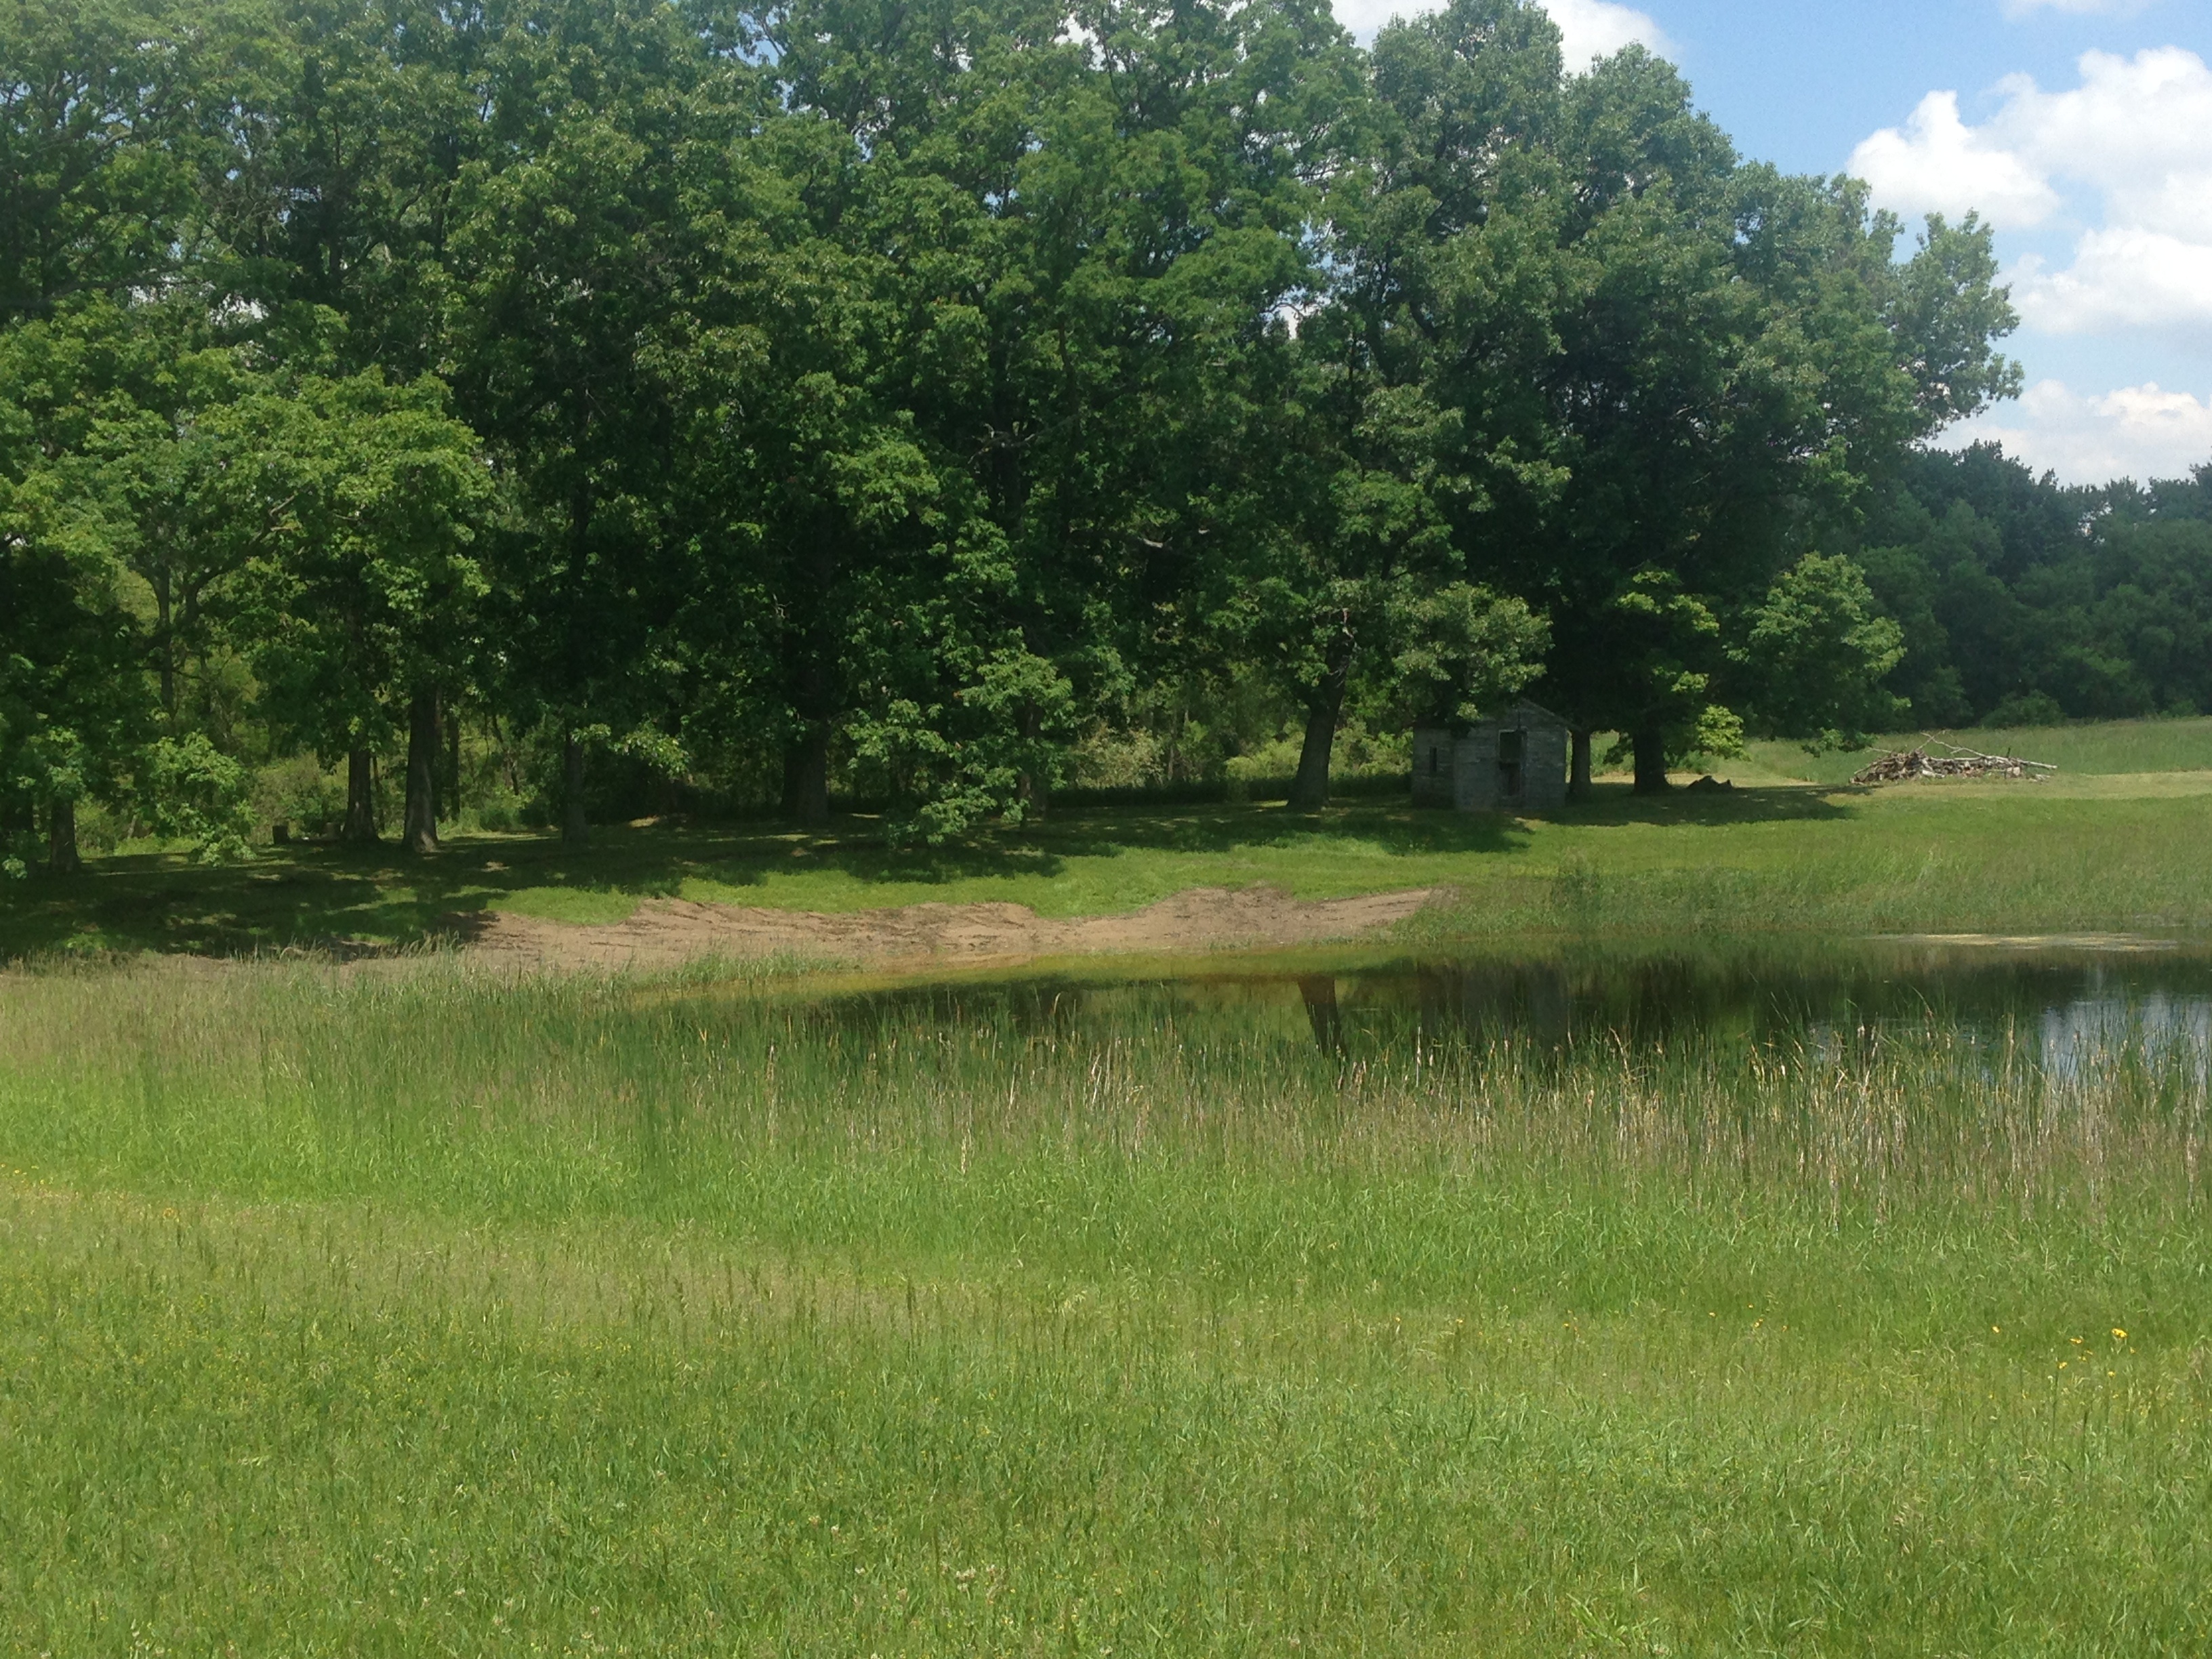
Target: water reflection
<point>2065,1000</point>
<point>2162,1025</point>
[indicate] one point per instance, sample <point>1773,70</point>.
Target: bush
<point>2026,708</point>
<point>300,790</point>
<point>191,791</point>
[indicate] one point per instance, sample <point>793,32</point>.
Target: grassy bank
<point>426,1313</point>
<point>2119,840</point>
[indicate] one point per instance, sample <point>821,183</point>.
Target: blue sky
<point>2083,128</point>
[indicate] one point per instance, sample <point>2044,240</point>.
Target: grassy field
<point>2093,749</point>
<point>416,1312</point>
<point>410,1307</point>
<point>2118,840</point>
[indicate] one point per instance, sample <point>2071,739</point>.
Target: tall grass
<point>358,1314</point>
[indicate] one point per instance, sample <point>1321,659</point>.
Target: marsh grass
<point>427,1310</point>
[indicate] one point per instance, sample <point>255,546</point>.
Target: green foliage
<point>190,791</point>
<point>1461,649</point>
<point>2022,601</point>
<point>1816,653</point>
<point>891,403</point>
<point>72,704</point>
<point>367,591</point>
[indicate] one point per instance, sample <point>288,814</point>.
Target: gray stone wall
<point>1516,762</point>
<point>1433,759</point>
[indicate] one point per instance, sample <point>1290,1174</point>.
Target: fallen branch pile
<point>1898,765</point>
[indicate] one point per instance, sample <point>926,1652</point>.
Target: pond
<point>2064,998</point>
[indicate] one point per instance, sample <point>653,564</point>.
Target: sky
<point>2081,128</point>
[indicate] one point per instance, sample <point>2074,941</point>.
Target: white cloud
<point>2120,279</point>
<point>1936,164</point>
<point>1588,28</point>
<point>2134,138</point>
<point>1597,29</point>
<point>1364,17</point>
<point>2139,129</point>
<point>2137,432</point>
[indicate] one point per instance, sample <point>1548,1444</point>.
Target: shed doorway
<point>1512,764</point>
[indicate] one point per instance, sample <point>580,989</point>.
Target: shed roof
<point>1519,706</point>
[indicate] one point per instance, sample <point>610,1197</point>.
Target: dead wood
<point>1901,765</point>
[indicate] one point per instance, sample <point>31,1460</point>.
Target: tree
<point>367,604</point>
<point>96,182</point>
<point>71,703</point>
<point>96,195</point>
<point>572,263</point>
<point>1813,654</point>
<point>1741,358</point>
<point>1401,439</point>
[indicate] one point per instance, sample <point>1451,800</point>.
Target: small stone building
<point>1515,761</point>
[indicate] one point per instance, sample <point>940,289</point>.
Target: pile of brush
<point>1953,761</point>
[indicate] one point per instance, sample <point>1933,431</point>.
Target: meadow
<point>401,1305</point>
<point>2117,840</point>
<point>425,1311</point>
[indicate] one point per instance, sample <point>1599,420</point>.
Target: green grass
<point>2117,840</point>
<point>403,1308</point>
<point>413,1311</point>
<point>2093,749</point>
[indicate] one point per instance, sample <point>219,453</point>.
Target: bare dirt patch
<point>667,933</point>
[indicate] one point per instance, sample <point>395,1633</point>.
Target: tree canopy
<point>891,400</point>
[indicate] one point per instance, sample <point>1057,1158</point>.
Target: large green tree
<point>364,598</point>
<point>1740,355</point>
<point>97,171</point>
<point>1398,446</point>
<point>575,266</point>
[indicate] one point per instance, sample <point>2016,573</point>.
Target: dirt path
<point>664,933</point>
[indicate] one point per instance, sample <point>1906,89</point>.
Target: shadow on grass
<point>341,898</point>
<point>345,899</point>
<point>1774,803</point>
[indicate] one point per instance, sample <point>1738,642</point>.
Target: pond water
<point>2069,999</point>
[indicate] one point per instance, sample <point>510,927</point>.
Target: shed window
<point>1436,759</point>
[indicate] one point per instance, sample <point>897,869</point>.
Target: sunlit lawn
<point>2094,848</point>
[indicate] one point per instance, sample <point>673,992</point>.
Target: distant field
<point>2098,748</point>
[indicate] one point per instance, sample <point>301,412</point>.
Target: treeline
<point>894,397</point>
<point>2025,602</point>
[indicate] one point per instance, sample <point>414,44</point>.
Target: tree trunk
<point>814,703</point>
<point>1029,788</point>
<point>419,827</point>
<point>1310,787</point>
<point>62,858</point>
<point>575,828</point>
<point>1318,993</point>
<point>807,775</point>
<point>449,779</point>
<point>1578,775</point>
<point>168,644</point>
<point>1650,761</point>
<point>787,802</point>
<point>361,798</point>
